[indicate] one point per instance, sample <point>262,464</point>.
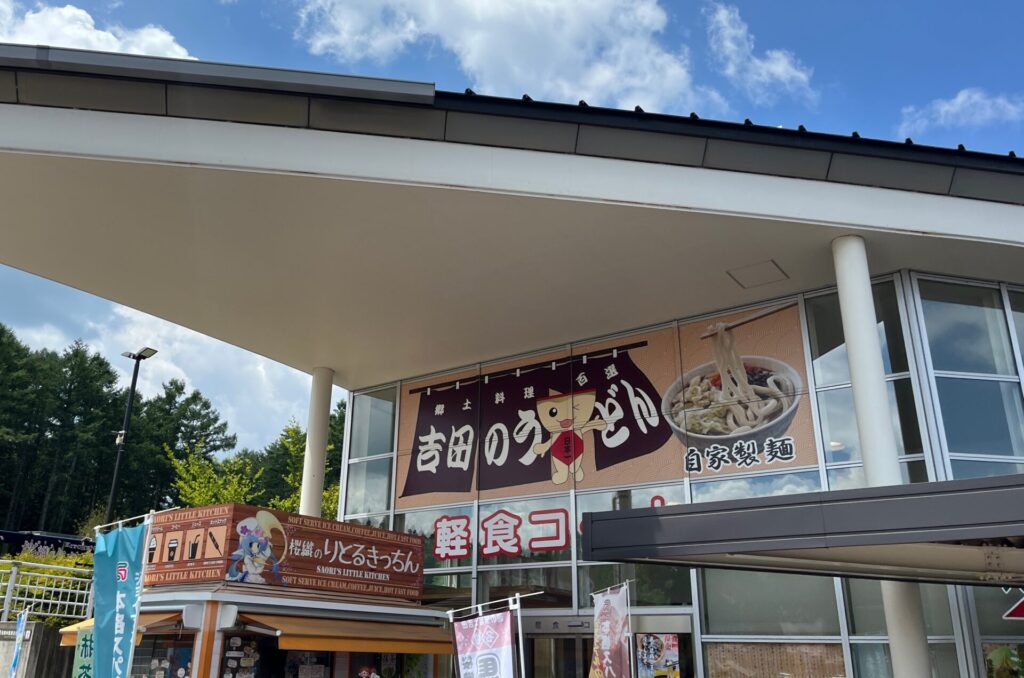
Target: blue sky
<point>941,72</point>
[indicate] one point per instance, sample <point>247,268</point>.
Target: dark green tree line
<point>59,414</point>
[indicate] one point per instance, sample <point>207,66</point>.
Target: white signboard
<point>484,646</point>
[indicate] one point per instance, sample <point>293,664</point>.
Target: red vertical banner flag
<point>611,634</point>
<point>484,646</point>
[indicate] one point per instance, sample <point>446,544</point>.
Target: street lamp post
<point>138,357</point>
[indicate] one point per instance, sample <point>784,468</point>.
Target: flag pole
<point>148,522</point>
<point>513,604</point>
<point>629,620</point>
<point>479,607</point>
<point>613,586</point>
<point>122,521</point>
<point>517,605</point>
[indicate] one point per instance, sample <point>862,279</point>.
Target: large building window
<point>951,355</point>
<point>373,423</point>
<point>840,439</point>
<point>871,660</point>
<point>974,373</point>
<point>448,534</point>
<point>369,486</point>
<point>370,460</point>
<point>1002,640</point>
<point>549,587</point>
<point>448,591</point>
<point>867,618</point>
<point>763,485</point>
<point>768,604</point>
<point>651,585</point>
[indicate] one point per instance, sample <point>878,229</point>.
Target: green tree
<point>64,428</point>
<point>17,405</point>
<point>335,440</point>
<point>184,422</point>
<point>291,446</point>
<point>332,494</point>
<point>282,462</point>
<point>201,481</point>
<point>85,419</point>
<point>59,414</point>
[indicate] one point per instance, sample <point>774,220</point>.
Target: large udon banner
<point>741,404</point>
<point>646,407</point>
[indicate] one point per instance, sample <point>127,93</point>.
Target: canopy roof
<point>341,635</point>
<point>148,622</point>
<point>956,532</point>
<point>386,230</point>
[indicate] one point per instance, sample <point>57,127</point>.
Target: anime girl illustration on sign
<point>256,550</point>
<point>567,417</point>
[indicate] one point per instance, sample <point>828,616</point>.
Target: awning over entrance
<point>315,634</point>
<point>147,622</point>
<point>958,532</point>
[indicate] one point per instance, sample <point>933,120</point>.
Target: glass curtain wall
<point>837,421</point>
<point>369,461</point>
<point>961,372</point>
<point>974,372</point>
<point>972,333</point>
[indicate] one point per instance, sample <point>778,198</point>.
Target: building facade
<point>443,456</point>
<point>544,310</point>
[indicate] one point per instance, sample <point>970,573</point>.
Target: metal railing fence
<point>45,590</point>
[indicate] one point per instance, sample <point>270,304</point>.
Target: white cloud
<point>762,78</point>
<point>43,336</point>
<point>256,396</point>
<point>73,27</point>
<point>971,107</point>
<point>606,52</point>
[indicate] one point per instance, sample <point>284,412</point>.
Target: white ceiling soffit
<point>382,280</point>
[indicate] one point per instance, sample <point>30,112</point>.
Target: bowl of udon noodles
<point>757,398</point>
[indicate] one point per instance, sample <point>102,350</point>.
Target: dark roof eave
<point>212,73</point>
<point>420,95</point>
<point>731,131</point>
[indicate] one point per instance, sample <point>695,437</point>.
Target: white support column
<point>904,615</point>
<point>317,429</point>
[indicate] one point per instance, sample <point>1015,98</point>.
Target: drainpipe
<point>904,613</point>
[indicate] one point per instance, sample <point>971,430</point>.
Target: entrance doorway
<point>662,655</point>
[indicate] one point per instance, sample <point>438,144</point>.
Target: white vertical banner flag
<point>612,657</point>
<point>484,646</point>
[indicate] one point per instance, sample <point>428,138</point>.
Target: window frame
<point>935,407</point>
<point>347,461</point>
<point>908,329</point>
<point>935,456</point>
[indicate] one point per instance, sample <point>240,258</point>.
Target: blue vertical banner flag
<point>19,640</point>
<point>117,583</point>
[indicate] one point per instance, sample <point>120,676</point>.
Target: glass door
<point>555,657</point>
<point>658,655</point>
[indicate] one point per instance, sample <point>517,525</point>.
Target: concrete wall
<point>41,654</point>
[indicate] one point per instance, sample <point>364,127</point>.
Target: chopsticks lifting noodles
<point>714,329</point>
